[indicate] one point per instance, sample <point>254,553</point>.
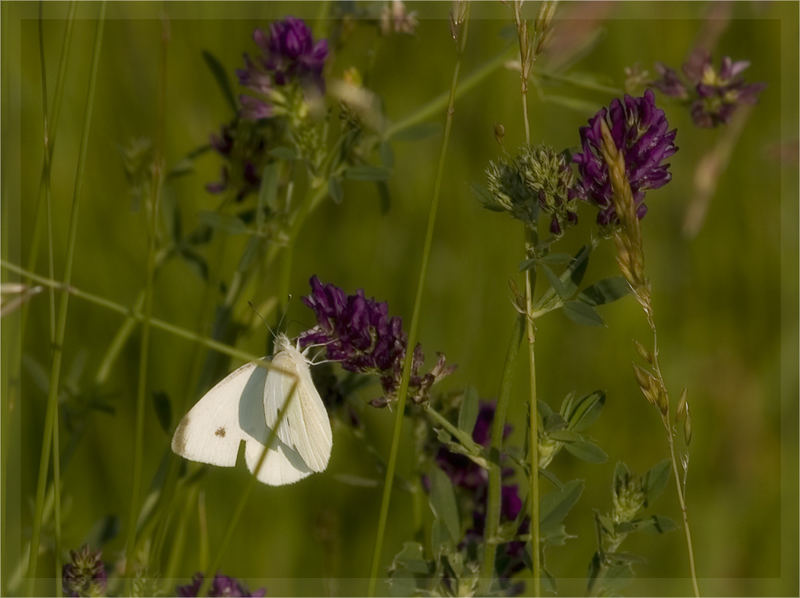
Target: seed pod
<point>662,401</point>
<point>683,407</point>
<point>643,352</point>
<point>646,384</point>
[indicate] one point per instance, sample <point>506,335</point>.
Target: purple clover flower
<point>221,586</point>
<point>714,95</point>
<point>292,51</point>
<point>641,132</point>
<point>288,54</point>
<point>359,334</point>
<point>84,574</point>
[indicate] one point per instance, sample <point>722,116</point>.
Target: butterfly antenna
<point>255,311</point>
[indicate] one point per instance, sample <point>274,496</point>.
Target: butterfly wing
<point>210,432</point>
<point>306,426</point>
<point>230,412</point>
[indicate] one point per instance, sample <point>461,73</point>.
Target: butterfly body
<point>245,406</point>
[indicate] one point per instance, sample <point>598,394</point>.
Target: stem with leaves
<point>460,22</point>
<point>529,49</point>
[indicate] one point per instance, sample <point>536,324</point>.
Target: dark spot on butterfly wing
<point>220,432</point>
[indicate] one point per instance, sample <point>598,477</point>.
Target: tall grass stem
<point>402,393</point>
<point>55,370</point>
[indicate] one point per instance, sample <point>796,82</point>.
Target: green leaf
<point>196,261</point>
<point>655,480</point>
<point>283,153</point>
<point>367,172</point>
<point>225,222</point>
<point>570,278</point>
<point>221,77</point>
<point>605,291</point>
<point>555,258</point>
<point>411,558</point>
<point>417,132</point>
<point>443,503</point>
<point>586,450</point>
<point>163,408</point>
<point>655,523</point>
<point>268,191</point>
<point>581,313</point>
<point>548,582</point>
<point>335,190</point>
<point>554,506</point>
<point>556,283</point>
<point>564,435</point>
<point>485,198</point>
<point>582,414</point>
<point>468,412</point>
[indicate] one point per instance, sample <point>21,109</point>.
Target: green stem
<point>684,511</point>
<point>534,438</point>
<point>665,418</point>
<point>579,83</point>
<point>136,315</point>
<point>402,393</point>
<point>55,370</point>
<point>144,347</point>
<point>493,505</point>
<point>239,509</point>
<point>440,102</point>
<point>527,56</point>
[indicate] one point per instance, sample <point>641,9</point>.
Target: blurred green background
<point>725,299</point>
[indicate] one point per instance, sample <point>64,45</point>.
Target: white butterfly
<point>245,406</point>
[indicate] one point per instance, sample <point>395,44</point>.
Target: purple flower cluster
<point>713,95</point>
<point>288,54</point>
<point>358,333</point>
<point>641,132</point>
<point>221,586</point>
<point>84,574</point>
<point>466,474</point>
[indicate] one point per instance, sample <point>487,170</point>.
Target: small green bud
<point>629,497</point>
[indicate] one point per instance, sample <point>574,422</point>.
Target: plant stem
<point>527,56</point>
<point>493,504</point>
<point>534,436</point>
<point>55,370</point>
<point>136,315</point>
<point>144,347</point>
<point>437,104</point>
<point>402,393</point>
<point>665,418</point>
